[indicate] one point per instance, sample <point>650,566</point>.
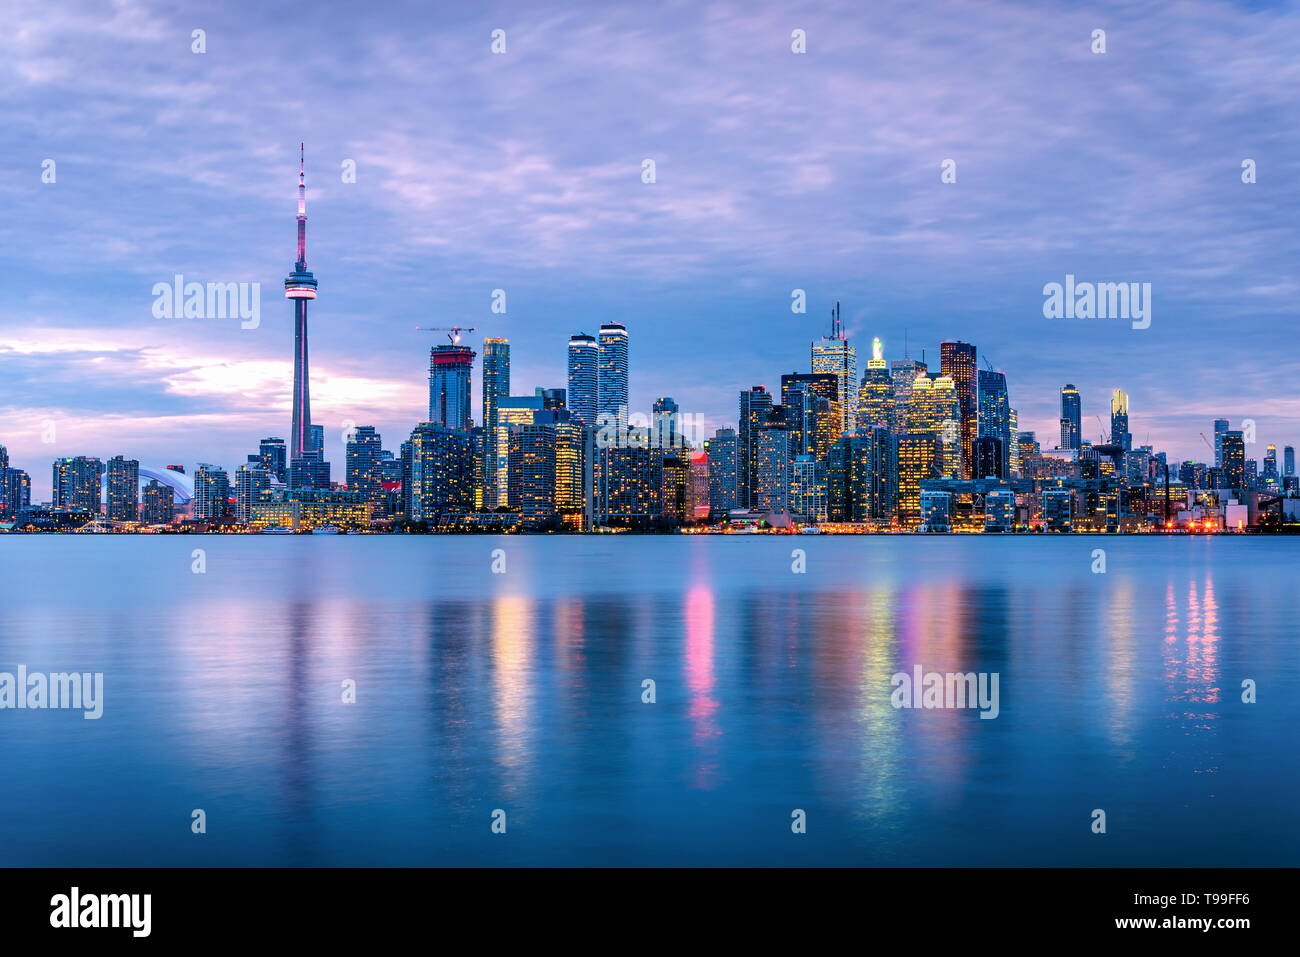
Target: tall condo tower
<point>449,375</point>
<point>584,373</point>
<point>1071,417</point>
<point>496,386</point>
<point>613,371</point>
<point>957,360</point>
<point>836,355</point>
<point>300,285</point>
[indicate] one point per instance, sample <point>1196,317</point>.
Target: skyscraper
<point>211,492</point>
<point>904,372</point>
<point>449,376</point>
<point>496,386</point>
<point>123,489</point>
<point>271,452</point>
<point>612,381</point>
<point>364,451</point>
<point>1220,430</point>
<point>755,404</point>
<point>584,376</point>
<point>723,454</point>
<point>76,483</point>
<point>957,361</point>
<point>665,422</point>
<point>876,393</point>
<point>834,354</point>
<point>800,393</point>
<point>1071,418</point>
<point>1119,433</point>
<point>771,452</point>
<point>300,286</point>
<point>1270,474</point>
<point>919,454</point>
<point>441,472</point>
<point>1288,460</point>
<point>159,502</point>
<point>15,492</point>
<point>995,415</point>
<point>250,481</point>
<point>1234,460</point>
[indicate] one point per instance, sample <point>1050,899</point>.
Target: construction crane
<point>1208,444</point>
<point>453,332</point>
<point>1101,430</point>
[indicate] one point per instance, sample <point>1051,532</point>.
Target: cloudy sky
<point>522,171</point>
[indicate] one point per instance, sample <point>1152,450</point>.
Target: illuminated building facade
<point>123,489</point>
<point>957,362</point>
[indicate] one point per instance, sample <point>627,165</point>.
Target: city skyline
<point>755,196</point>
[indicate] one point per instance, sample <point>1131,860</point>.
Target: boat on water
<point>277,530</point>
<point>326,530</point>
<point>810,530</point>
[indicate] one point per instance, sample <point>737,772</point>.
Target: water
<point>522,692</point>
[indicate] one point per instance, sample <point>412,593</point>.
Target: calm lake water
<point>522,691</point>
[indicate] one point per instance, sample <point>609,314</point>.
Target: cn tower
<point>301,286</point>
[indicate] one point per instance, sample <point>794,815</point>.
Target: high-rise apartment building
<point>123,489</point>
<point>612,382</point>
<point>584,378</point>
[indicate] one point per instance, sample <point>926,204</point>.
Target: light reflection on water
<point>523,692</point>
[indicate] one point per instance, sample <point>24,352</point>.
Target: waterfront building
<point>15,492</point>
<point>957,362</point>
<point>755,407</point>
<point>628,483</point>
<point>250,482</point>
<point>997,418</point>
<point>441,472</point>
<point>722,454</point>
<point>272,454</point>
<point>772,465</point>
<point>673,490</point>
<point>76,483</point>
<point>496,386</point>
<point>999,510</point>
<point>808,488</point>
<point>612,380</point>
<point>365,449</point>
<point>936,511</point>
<point>584,378</point>
<point>308,508</point>
<point>450,367</point>
<point>211,493</point>
<point>919,457</point>
<point>159,503</point>
<point>123,489</point>
<point>1234,460</point>
<point>1058,509</point>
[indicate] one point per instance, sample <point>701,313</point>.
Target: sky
<point>523,171</point>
